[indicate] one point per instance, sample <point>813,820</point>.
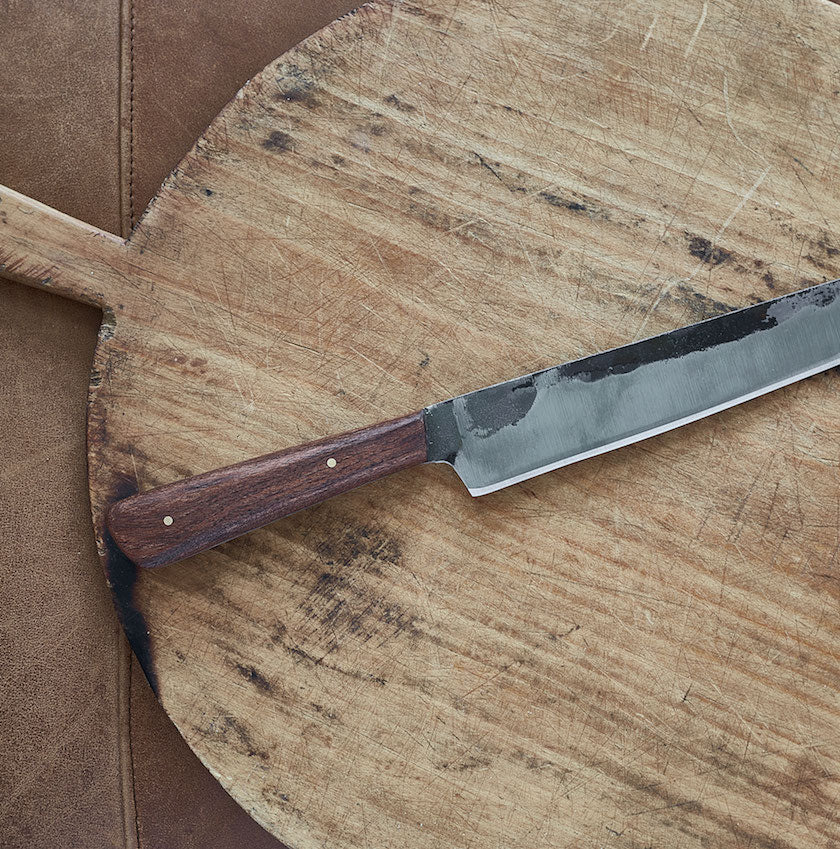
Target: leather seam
<point>131,66</point>
<point>130,818</point>
<point>131,826</point>
<point>131,746</point>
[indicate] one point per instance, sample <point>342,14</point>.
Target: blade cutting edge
<point>509,432</point>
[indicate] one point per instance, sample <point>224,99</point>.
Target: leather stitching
<point>130,665</point>
<point>131,26</point>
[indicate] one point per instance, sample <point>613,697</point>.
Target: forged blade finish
<point>512,431</point>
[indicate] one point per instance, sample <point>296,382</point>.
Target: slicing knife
<point>505,433</point>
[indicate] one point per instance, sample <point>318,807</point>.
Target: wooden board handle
<point>40,246</point>
<point>182,518</point>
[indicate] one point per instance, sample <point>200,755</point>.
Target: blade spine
<point>541,371</point>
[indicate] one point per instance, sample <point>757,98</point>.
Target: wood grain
<point>639,650</point>
<point>189,516</point>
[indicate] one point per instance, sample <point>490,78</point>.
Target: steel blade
<point>506,433</point>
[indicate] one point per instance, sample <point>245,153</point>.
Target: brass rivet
<point>168,520</point>
<point>331,462</point>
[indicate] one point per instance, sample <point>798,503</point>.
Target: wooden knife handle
<point>182,518</point>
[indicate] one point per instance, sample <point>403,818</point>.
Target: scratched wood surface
<point>642,650</point>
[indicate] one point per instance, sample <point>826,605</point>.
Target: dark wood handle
<point>180,519</point>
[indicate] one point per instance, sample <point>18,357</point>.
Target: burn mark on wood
<point>360,140</point>
<point>274,795</point>
<point>279,142</point>
<point>808,786</point>
<point>705,251</point>
<point>466,754</point>
<point>122,577</point>
<point>828,249</point>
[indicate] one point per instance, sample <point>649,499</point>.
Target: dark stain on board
<point>532,762</point>
<point>281,639</point>
<point>399,105</point>
<point>700,306</point>
<point>829,250</point>
<point>296,86</point>
<point>465,764</point>
<point>347,598</point>
<point>279,142</point>
<point>808,786</point>
<point>327,713</point>
<point>297,94</point>
<point>364,544</point>
<point>122,577</point>
<point>465,229</point>
<point>231,731</point>
<point>705,251</point>
<point>823,254</point>
<point>421,12</point>
<point>250,673</point>
<point>563,203</point>
<point>273,795</point>
<point>485,164</point>
<point>803,783</point>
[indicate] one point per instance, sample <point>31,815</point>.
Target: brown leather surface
<point>60,645</point>
<point>59,117</point>
<point>87,756</point>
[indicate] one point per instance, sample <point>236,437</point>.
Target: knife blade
<point>508,432</point>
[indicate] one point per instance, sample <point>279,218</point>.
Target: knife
<point>505,433</point>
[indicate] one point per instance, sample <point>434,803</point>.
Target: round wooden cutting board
<point>642,650</point>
